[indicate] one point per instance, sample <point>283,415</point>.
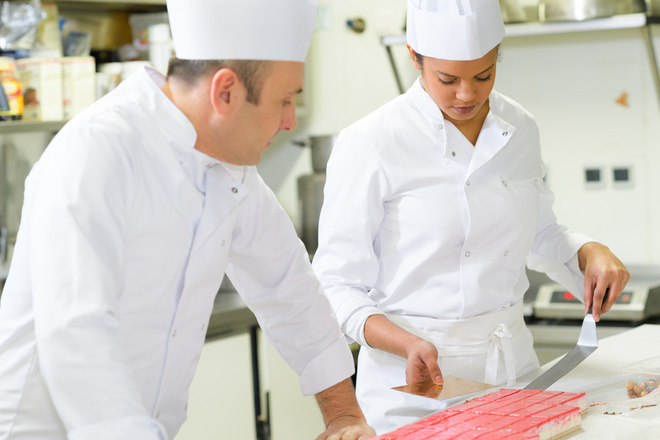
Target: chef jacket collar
<point>420,99</point>
<point>177,127</point>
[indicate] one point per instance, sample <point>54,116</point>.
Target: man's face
<point>257,125</point>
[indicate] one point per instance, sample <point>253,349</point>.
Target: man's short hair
<point>250,72</point>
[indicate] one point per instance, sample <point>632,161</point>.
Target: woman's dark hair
<point>420,58</point>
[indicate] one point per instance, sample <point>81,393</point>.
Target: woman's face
<point>459,88</point>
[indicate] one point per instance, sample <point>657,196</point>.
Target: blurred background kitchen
<point>586,69</point>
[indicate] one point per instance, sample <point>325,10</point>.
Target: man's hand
<point>347,428</point>
<point>342,416</point>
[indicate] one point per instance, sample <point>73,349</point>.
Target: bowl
<point>642,377</point>
<point>577,10</point>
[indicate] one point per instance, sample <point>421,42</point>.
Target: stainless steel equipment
<point>554,318</point>
<point>576,10</point>
<point>310,197</point>
<point>310,189</point>
<point>640,300</point>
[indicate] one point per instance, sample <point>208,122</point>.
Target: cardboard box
<point>78,84</point>
<point>42,88</point>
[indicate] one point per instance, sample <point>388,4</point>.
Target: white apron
<point>493,348</point>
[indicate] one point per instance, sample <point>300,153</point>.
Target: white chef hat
<point>460,30</point>
<point>275,30</point>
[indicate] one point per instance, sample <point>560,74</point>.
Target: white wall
<point>571,83</point>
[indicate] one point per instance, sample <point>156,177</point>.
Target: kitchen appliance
<point>587,344</point>
<point>576,10</point>
<point>639,300</point>
<point>554,316</point>
<point>310,189</point>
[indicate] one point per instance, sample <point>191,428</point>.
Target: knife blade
<point>587,344</point>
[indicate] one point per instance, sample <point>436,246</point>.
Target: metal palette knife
<point>587,344</point>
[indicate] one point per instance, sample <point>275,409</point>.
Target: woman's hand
<point>604,275</point>
<point>422,363</point>
<point>421,355</point>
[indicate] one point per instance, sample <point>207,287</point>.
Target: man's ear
<point>225,90</point>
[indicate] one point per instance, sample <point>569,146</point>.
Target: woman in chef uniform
<point>433,205</point>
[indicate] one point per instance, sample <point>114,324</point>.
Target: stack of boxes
<point>56,89</point>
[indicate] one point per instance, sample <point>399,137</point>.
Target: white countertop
<point>600,376</point>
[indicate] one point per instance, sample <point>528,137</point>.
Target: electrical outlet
<point>594,176</point>
<point>622,176</point>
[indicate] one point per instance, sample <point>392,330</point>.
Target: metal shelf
<point>514,30</point>
<point>628,21</point>
<point>7,127</point>
<point>112,5</point>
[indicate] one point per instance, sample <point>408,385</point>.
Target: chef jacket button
<point>467,183</point>
<point>440,126</point>
<point>234,190</point>
<point>505,133</point>
<point>158,415</point>
<point>504,183</point>
<point>185,407</point>
<point>174,334</point>
<point>223,243</point>
<point>467,254</point>
<point>506,253</point>
<point>203,326</point>
<point>453,153</point>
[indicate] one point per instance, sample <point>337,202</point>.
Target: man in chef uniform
<point>131,217</point>
<point>433,205</point>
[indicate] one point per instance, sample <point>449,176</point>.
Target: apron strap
<point>500,343</point>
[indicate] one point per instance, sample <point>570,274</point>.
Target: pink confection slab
<point>481,421</point>
<point>465,406</point>
<point>469,435</point>
<point>571,399</point>
<point>529,425</point>
<point>486,408</point>
<point>520,395</point>
<point>529,410</point>
<point>561,412</point>
<point>543,396</point>
<point>503,435</point>
<point>422,434</point>
<point>501,422</point>
<point>458,418</point>
<point>449,433</point>
<point>504,409</point>
<point>499,394</point>
<point>404,430</point>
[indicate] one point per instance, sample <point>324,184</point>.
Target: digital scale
<point>639,300</point>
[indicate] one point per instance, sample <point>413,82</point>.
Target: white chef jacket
<point>125,235</point>
<point>416,221</point>
<point>422,226</point>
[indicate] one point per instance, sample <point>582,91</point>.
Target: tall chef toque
<point>460,30</point>
<point>273,30</point>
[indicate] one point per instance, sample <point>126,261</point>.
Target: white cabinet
<point>292,415</point>
<point>221,395</point>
